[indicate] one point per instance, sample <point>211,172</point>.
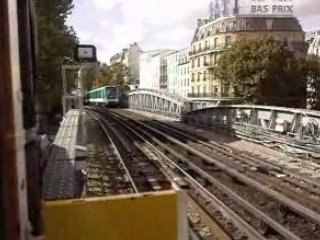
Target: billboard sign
<point>227,8</point>
<point>266,7</point>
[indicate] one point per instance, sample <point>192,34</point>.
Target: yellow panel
<point>134,217</point>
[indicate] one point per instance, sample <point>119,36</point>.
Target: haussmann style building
<point>217,33</point>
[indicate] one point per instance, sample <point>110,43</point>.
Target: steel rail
<point>298,208</point>
<point>192,234</point>
<point>310,181</point>
<point>94,115</point>
<point>252,233</point>
<point>276,226</point>
<point>154,184</point>
<point>259,214</point>
<point>275,185</point>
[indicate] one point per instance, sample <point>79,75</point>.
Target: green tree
<point>263,72</point>
<point>119,72</point>
<point>56,43</point>
<point>90,76</point>
<point>103,75</point>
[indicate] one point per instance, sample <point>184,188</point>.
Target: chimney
<point>236,7</point>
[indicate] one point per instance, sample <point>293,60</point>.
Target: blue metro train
<point>104,96</point>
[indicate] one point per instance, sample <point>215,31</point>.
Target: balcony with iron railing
<point>210,64</point>
<point>217,48</point>
<point>203,95</point>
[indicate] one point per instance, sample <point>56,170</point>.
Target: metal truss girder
<point>286,120</point>
<point>158,101</point>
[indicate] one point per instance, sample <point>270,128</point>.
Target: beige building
<point>130,58</point>
<point>213,37</point>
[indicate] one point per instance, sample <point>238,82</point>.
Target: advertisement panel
<point>227,8</point>
<point>266,7</point>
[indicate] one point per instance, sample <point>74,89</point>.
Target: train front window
<point>111,93</point>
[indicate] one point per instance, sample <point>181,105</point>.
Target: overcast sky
<point>113,24</point>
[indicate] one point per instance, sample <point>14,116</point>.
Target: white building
<point>183,83</point>
<point>172,72</point>
<point>313,39</point>
<point>153,69</point>
<point>179,72</point>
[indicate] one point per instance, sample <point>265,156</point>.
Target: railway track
<point>107,174</point>
<point>236,230</point>
<point>234,186</point>
<point>302,189</point>
<point>141,171</point>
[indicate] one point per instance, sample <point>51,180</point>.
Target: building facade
<point>216,36</point>
<point>183,83</point>
<point>130,58</point>
<point>172,72</point>
<point>179,72</point>
<point>153,69</point>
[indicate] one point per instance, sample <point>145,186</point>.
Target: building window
<point>198,79</point>
<point>204,76</point>
<point>215,89</point>
<point>198,89</point>
<point>269,23</point>
<point>215,43</point>
<point>192,77</point>
<point>228,41</point>
<point>200,47</point>
<point>215,59</point>
<point>199,62</point>
<point>194,49</point>
<point>205,60</point>
<point>204,89</point>
<point>192,90</point>
<point>193,63</point>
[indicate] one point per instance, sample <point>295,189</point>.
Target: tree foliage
<point>103,75</point>
<point>264,72</point>
<point>312,70</point>
<point>56,42</point>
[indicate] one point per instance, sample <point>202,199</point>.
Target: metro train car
<point>104,96</point>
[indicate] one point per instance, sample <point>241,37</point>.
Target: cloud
<point>114,24</point>
<point>105,4</point>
